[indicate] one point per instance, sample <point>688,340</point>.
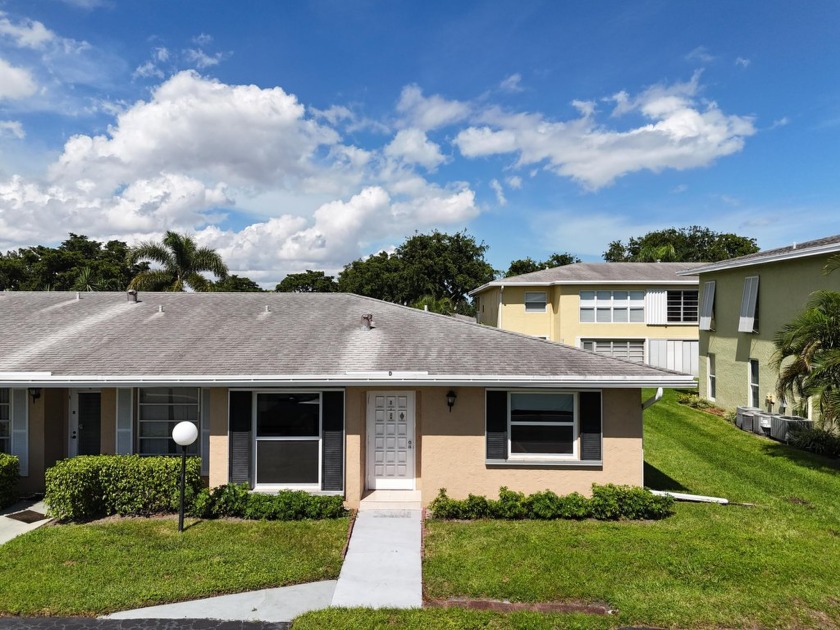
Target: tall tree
<point>528,265</point>
<point>807,355</point>
<point>236,284</point>
<point>434,266</point>
<point>692,244</point>
<point>181,264</point>
<point>307,282</point>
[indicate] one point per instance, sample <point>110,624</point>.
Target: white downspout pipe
<point>650,402</point>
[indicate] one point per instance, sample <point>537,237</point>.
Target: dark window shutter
<point>241,440</point>
<point>590,426</point>
<point>497,425</point>
<point>332,415</point>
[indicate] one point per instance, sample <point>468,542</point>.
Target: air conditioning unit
<point>744,418</point>
<point>762,423</point>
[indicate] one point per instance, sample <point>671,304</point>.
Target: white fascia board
<point>787,255</point>
<point>333,380</point>
<point>557,283</point>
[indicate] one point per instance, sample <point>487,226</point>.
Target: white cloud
<point>147,70</point>
<point>201,59</point>
<point>12,128</point>
<point>429,112</point>
<point>780,122</point>
<point>514,181</point>
<point>681,133</point>
<point>513,83</point>
<point>413,147</point>
<point>26,33</point>
<point>15,83</point>
<point>701,54</point>
<point>743,62</point>
<point>500,192</point>
<point>202,39</point>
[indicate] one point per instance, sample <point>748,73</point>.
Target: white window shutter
<point>657,353</point>
<point>656,307</point>
<point>708,307</point>
<point>749,303</point>
<point>20,429</point>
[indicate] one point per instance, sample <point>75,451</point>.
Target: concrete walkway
<point>383,567</point>
<point>10,528</point>
<point>270,605</point>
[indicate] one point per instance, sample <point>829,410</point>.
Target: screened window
<point>5,422</point>
<point>535,301</point>
<point>712,371</point>
<point>682,307</point>
<point>159,410</point>
<point>630,349</point>
<point>754,387</point>
<point>542,424</point>
<point>288,442</point>
<point>612,306</point>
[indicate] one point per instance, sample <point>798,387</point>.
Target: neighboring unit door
<point>390,442</point>
<point>85,423</point>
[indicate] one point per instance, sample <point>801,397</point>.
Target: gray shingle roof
<point>231,338</point>
<point>829,244</point>
<point>602,273</point>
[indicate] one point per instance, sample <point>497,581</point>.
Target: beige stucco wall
<point>219,444</point>
<point>450,448</point>
<point>487,307</point>
<point>783,291</point>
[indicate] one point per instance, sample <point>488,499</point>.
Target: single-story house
<point>644,312</point>
<point>331,393</point>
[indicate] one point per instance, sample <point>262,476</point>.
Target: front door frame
<point>73,419</point>
<point>410,480</point>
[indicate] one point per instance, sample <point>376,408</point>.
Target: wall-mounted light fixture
<point>35,392</point>
<point>450,399</point>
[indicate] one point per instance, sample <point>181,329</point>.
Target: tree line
<point>434,271</point>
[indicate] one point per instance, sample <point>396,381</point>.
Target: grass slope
<point>775,565</point>
<point>103,567</point>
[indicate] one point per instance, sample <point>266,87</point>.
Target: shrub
<point>94,486</point>
<point>230,500</point>
<point>235,500</point>
<point>608,502</point>
<point>694,401</point>
<point>819,441</point>
<point>9,469</point>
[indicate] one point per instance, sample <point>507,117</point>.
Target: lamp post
<point>184,434</point>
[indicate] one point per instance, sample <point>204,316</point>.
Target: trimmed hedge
<point>95,486</point>
<point>608,503</point>
<point>235,500</point>
<point>9,475</point>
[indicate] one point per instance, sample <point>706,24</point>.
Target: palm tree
<point>807,355</point>
<point>181,262</point>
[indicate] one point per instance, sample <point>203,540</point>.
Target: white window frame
<point>754,385</point>
<point>682,306</point>
<point>194,449</point>
<point>575,424</point>
<point>597,301</point>
<point>711,376</point>
<point>7,421</point>
<point>707,307</point>
<point>268,487</point>
<point>749,306</point>
<point>595,342</point>
<point>536,301</point>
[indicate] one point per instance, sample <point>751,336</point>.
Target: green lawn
<point>773,565</point>
<point>102,567</point>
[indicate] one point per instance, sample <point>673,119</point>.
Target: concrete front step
<point>391,500</point>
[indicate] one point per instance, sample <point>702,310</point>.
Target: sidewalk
<point>13,520</point>
<point>383,568</point>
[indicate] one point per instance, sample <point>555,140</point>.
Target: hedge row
<point>9,468</point>
<point>608,502</point>
<point>95,486</point>
<point>287,505</point>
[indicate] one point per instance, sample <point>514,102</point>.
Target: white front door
<point>390,442</point>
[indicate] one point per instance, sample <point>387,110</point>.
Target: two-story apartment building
<point>743,303</point>
<point>644,312</point>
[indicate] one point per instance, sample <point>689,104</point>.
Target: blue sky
<point>302,135</point>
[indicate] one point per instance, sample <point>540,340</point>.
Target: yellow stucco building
<point>643,312</point>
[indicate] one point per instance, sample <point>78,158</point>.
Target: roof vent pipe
<point>367,321</point>
<point>78,297</point>
<point>267,308</point>
<point>794,245</point>
<point>160,308</point>
<point>131,296</point>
